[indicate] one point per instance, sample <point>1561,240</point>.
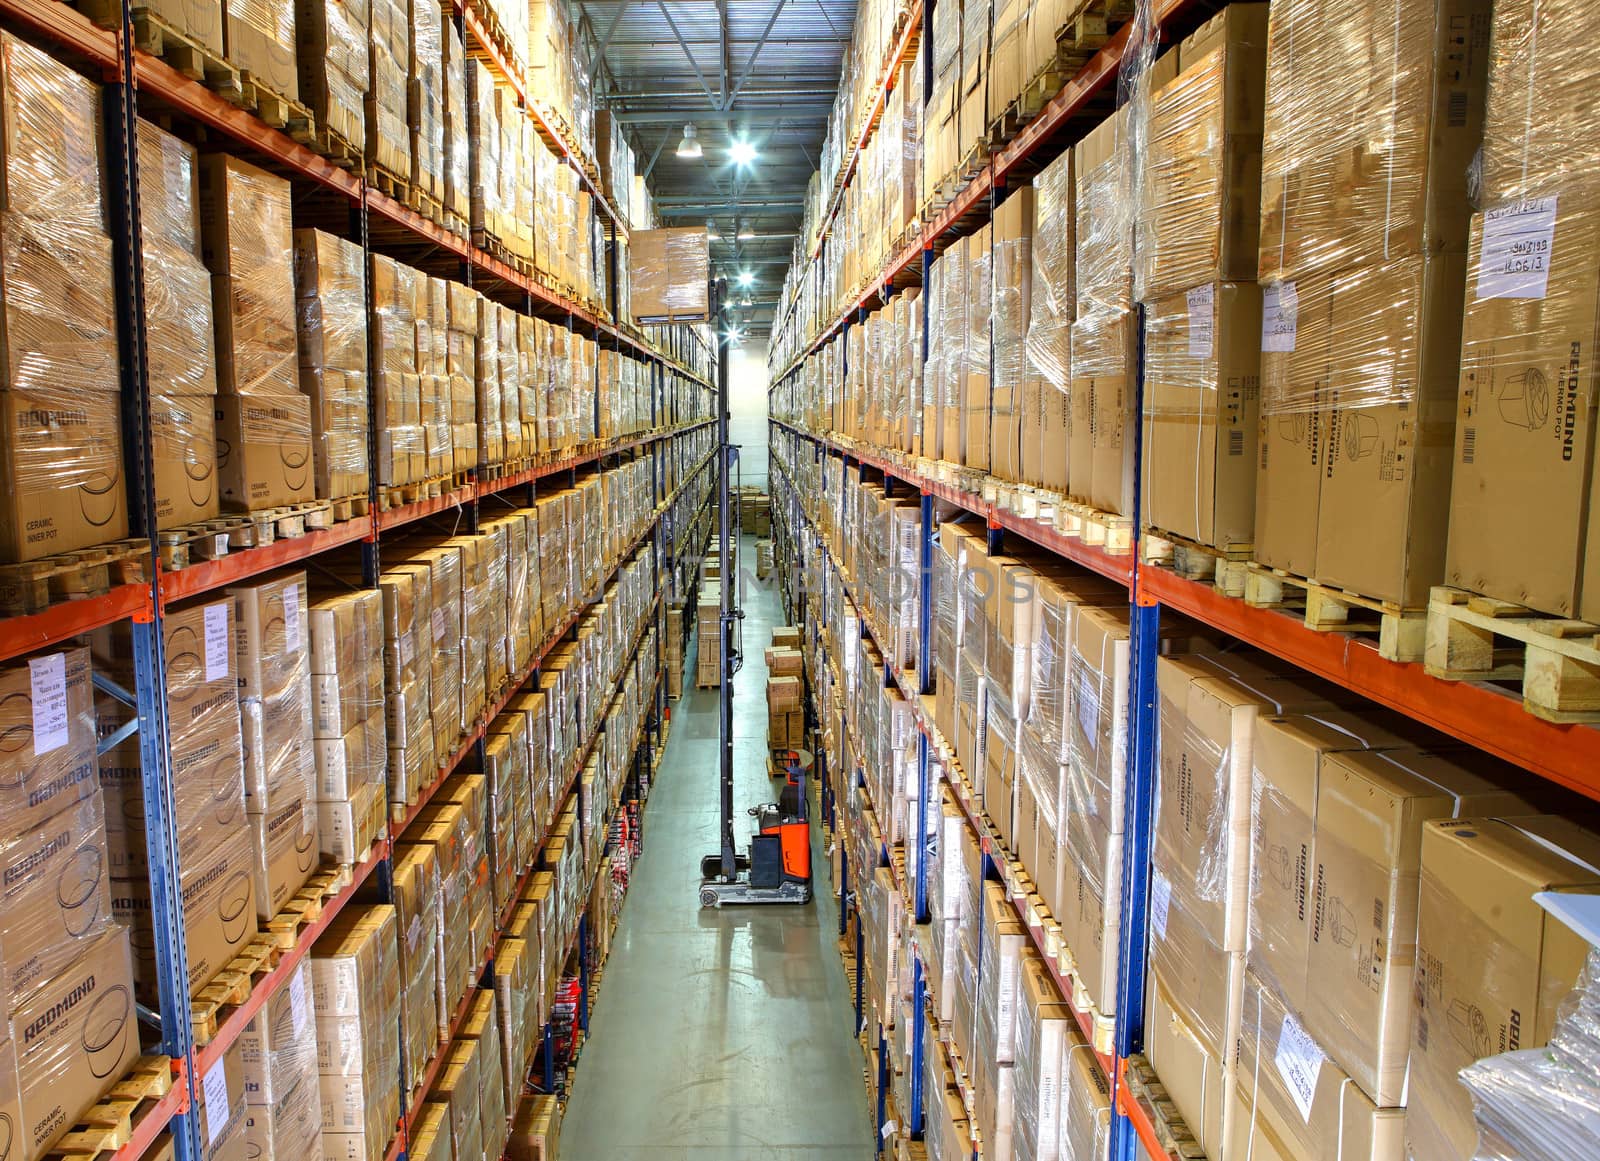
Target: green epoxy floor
<point>719,1035</point>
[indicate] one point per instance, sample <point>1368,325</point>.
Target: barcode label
<point>1469,444</point>
<point>1235,442</point>
<point>1456,110</point>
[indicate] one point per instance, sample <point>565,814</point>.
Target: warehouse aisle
<point>718,1035</point>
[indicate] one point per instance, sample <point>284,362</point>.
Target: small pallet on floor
<point>1225,568</point>
<point>1329,609</point>
<point>69,576</point>
<point>1554,660</point>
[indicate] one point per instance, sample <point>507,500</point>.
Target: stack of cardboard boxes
<point>335,69</point>
<point>264,439</point>
<point>351,742</point>
<point>282,1086</point>
<point>1363,254</point>
<point>331,301</point>
<point>1201,195</point>
<point>272,642</point>
<point>355,990</point>
<point>388,144</point>
<point>59,406</point>
<point>1524,425</point>
<point>397,386</point>
<point>785,727</point>
<point>180,343</point>
<point>59,1055</point>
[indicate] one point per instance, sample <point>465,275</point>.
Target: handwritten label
<point>291,617</point>
<point>1280,314</point>
<point>1514,261</point>
<point>47,677</point>
<point>1160,903</point>
<point>216,641</point>
<point>217,1105</point>
<point>298,1004</point>
<point>1299,1062</point>
<point>1202,321</point>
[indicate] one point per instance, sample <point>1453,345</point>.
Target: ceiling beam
<point>605,39</point>
<point>750,64</point>
<point>687,55</point>
<point>803,111</point>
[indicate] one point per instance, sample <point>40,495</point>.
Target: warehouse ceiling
<point>762,71</point>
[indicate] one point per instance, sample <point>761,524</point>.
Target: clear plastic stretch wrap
<point>278,1050</point>
<point>484,151</point>
<point>953,332</point>
<point>1543,1104</point>
<point>454,125</point>
<point>1199,184</point>
<point>1104,208</point>
<point>425,92</point>
<point>335,66</point>
<point>330,289</point>
<point>249,248</point>
<point>53,141</point>
<point>1372,167</point>
<point>388,145</point>
<point>356,990</point>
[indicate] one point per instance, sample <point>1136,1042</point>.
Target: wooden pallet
<point>1329,609</point>
<point>275,109</point>
<point>399,495</point>
<point>1174,1135</point>
<point>1224,568</point>
<point>232,986</point>
<point>203,540</point>
<point>182,53</point>
<point>1555,661</point>
<point>1096,528</point>
<point>337,149</point>
<point>287,522</point>
<point>350,507</point>
<point>69,576</point>
<point>109,1124</point>
<point>390,184</point>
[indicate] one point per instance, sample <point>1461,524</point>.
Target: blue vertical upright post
<point>919,1025</point>
<point>1140,791</point>
<point>583,972</point>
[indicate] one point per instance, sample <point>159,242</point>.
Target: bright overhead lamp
<point>711,230</point>
<point>745,300</point>
<point>743,232</point>
<point>741,152</point>
<point>746,278</point>
<point>689,147</point>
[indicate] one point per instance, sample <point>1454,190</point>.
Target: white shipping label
<point>218,1107</point>
<point>299,1005</point>
<point>1160,903</point>
<point>217,641</point>
<point>291,617</point>
<point>1517,240</point>
<point>47,677</point>
<point>438,624</point>
<point>1280,314</point>
<point>1299,1061</point>
<point>1202,321</point>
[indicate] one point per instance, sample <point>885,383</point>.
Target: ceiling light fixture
<point>743,232</point>
<point>741,152</point>
<point>689,147</point>
<point>746,278</point>
<point>745,301</point>
<point>712,234</point>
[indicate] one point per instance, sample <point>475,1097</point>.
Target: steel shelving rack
<point>134,84</point>
<point>1480,715</point>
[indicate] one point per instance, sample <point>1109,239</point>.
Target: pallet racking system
<point>1482,715</point>
<point>137,84</point>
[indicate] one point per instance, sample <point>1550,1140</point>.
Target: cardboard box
<point>1367,164</point>
<point>1371,806</point>
<point>57,897</point>
<point>264,451</point>
<point>1086,1105</point>
<point>1201,211</point>
<point>1201,414</point>
<point>669,274</point>
<point>1524,426</point>
<point>784,693</point>
<point>219,909</point>
<point>1286,771</point>
<point>1492,965</point>
<point>1191,1072</point>
<point>259,36</point>
<point>61,456</point>
<point>1292,1101</point>
<point>184,458</point>
<point>77,1035</point>
<point>45,774</point>
<point>52,115</point>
